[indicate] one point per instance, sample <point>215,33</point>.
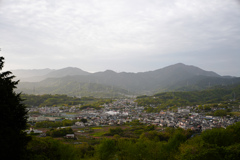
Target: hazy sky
<point>121,35</point>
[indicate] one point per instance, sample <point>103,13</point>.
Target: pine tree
<point>13,118</point>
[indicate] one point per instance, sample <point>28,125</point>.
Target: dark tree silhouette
<point>13,118</point>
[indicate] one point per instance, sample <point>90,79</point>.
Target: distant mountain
<point>27,73</point>
<point>69,71</point>
<point>37,75</point>
<point>188,70</point>
<point>174,77</point>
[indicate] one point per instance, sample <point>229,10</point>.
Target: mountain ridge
<point>36,75</point>
<point>174,77</point>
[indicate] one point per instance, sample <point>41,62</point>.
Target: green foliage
<point>96,104</point>
<point>151,135</point>
<point>235,131</point>
<point>171,144</point>
<point>48,148</point>
<point>196,149</point>
<point>232,152</point>
<point>50,124</point>
<point>106,150</point>
<point>83,120</point>
<point>150,110</point>
<point>218,136</point>
<point>147,147</point>
<point>50,100</point>
<point>206,108</point>
<point>220,113</point>
<point>59,132</point>
<point>118,131</point>
<point>132,132</point>
<point>168,100</point>
<point>135,122</point>
<point>63,100</point>
<point>99,134</point>
<point>217,143</point>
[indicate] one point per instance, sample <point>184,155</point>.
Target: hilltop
<point>74,81</point>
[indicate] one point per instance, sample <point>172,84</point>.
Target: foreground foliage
<point>48,148</point>
<point>171,144</point>
<point>13,118</point>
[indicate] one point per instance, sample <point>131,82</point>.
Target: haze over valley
<point>76,82</point>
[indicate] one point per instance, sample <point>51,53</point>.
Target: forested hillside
<point>178,77</point>
<point>62,100</point>
<point>210,96</point>
<point>70,87</point>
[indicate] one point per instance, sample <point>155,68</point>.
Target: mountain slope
<point>31,75</point>
<point>38,75</point>
<point>174,77</point>
<point>69,71</point>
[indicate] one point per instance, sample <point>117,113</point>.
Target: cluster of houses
<point>193,121</point>
<point>126,110</point>
<point>54,110</point>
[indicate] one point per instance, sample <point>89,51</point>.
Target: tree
<point>13,118</point>
<point>220,113</point>
<point>83,120</point>
<point>106,149</point>
<point>117,130</point>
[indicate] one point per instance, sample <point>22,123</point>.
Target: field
<point>235,113</point>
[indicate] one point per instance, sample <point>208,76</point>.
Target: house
<point>32,130</point>
<point>70,136</point>
<point>184,111</point>
<point>170,124</point>
<point>40,118</point>
<point>80,124</point>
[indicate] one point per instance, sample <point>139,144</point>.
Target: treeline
<point>71,88</point>
<point>61,100</point>
<point>49,148</point>
<point>171,144</point>
<point>97,104</point>
<point>59,132</point>
<point>210,96</point>
<point>219,143</point>
<point>149,132</point>
<point>50,100</point>
<point>50,124</point>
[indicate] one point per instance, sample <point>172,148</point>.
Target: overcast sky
<point>121,35</point>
